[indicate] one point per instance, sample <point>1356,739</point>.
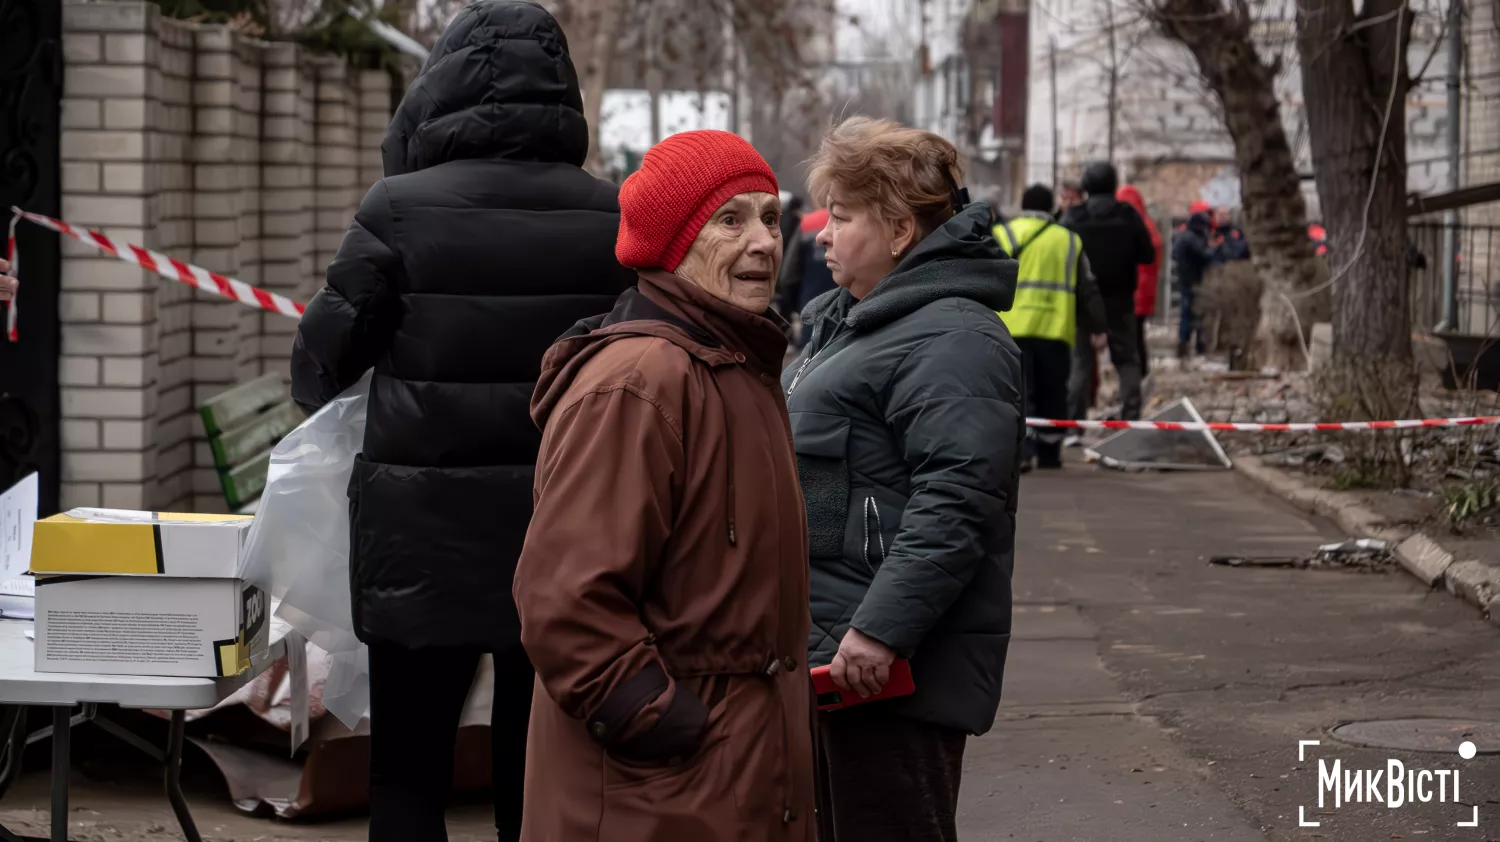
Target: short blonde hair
<point>893,169</point>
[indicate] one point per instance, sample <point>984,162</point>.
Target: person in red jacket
<point>1147,273</point>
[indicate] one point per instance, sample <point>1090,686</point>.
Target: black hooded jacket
<point>906,418</point>
<point>1114,236</point>
<point>483,243</point>
<point>1191,252</point>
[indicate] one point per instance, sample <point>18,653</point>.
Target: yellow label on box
<point>128,548</point>
<point>131,543</point>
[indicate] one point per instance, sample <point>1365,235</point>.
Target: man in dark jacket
<point>1117,244</point>
<point>484,242</point>
<point>1191,257</point>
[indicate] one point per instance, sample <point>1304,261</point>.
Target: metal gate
<point>31,73</point>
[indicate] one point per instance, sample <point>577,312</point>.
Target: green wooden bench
<point>243,425</point>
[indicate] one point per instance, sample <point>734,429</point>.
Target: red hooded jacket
<point>1145,286</point>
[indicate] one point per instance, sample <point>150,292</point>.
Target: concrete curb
<point>1474,582</point>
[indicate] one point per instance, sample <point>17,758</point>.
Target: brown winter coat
<point>663,587</point>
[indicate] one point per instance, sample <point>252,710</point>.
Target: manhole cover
<point>1432,735</point>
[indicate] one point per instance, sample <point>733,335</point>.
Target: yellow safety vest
<point>1047,282</point>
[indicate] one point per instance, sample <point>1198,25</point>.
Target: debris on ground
<point>1359,555</point>
<point>1259,561</point>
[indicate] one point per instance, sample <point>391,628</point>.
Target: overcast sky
<point>884,26</point>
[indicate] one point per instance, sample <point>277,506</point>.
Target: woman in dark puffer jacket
<point>905,409</point>
<point>482,244</point>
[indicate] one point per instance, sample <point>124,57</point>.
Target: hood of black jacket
<point>1100,179</point>
<point>498,84</point>
<point>961,259</point>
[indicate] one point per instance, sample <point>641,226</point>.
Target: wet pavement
<point>1152,696</point>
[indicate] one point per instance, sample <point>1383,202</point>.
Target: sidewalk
<point>1467,566</point>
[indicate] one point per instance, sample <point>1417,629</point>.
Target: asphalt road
<point>1149,696</point>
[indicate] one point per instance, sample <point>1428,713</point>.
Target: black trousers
<point>889,778</point>
<point>1046,364</point>
<point>416,700</point>
<point>1123,351</point>
<point>1142,351</point>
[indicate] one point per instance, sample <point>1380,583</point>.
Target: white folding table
<point>22,685</point>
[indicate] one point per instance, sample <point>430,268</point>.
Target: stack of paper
<point>18,598</point>
<point>17,522</point>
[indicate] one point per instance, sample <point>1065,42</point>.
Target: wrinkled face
<point>862,247</point>
<point>738,252</point>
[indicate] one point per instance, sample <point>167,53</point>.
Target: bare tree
<point>1355,81</point>
<point>725,42</point>
<point>1222,43</point>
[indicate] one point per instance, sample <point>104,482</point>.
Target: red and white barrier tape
<point>167,267</point>
<point>1296,427</point>
<point>216,284</point>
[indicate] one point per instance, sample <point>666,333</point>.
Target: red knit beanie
<point>680,184</point>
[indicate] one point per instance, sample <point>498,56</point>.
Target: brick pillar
<point>247,117</point>
<point>286,195</point>
<point>337,170</point>
<point>374,119</point>
<point>171,122</point>
<point>108,307</point>
<point>216,242</point>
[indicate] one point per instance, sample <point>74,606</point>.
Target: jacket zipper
<point>870,506</point>
<point>801,369</point>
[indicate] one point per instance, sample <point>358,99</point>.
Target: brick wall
<point>1479,272</point>
<point>245,157</point>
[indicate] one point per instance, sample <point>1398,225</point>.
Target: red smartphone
<point>830,697</point>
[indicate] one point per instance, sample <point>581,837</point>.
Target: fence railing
<point>1476,277</point>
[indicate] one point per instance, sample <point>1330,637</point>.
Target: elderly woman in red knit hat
<point>663,587</point>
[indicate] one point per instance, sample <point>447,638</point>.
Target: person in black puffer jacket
<point>1117,244</point>
<point>484,242</point>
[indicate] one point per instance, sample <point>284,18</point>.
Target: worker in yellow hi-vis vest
<point>1046,316</point>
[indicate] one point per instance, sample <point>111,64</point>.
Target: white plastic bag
<point>299,543</point>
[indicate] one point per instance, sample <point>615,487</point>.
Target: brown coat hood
<point>663,590</point>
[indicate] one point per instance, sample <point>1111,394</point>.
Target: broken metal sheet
<point>1172,450</point>
<point>1258,561</point>
<point>1356,545</point>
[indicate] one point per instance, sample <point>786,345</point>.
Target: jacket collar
<point>959,260</point>
<point>715,323</point>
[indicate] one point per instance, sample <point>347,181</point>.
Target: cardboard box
<point>129,543</point>
<point>139,625</point>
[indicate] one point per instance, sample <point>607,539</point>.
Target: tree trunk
<point>1354,80</point>
<point>1270,190</point>
<point>591,27</point>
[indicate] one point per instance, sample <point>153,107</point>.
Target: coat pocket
<point>870,531</point>
<point>822,443</point>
